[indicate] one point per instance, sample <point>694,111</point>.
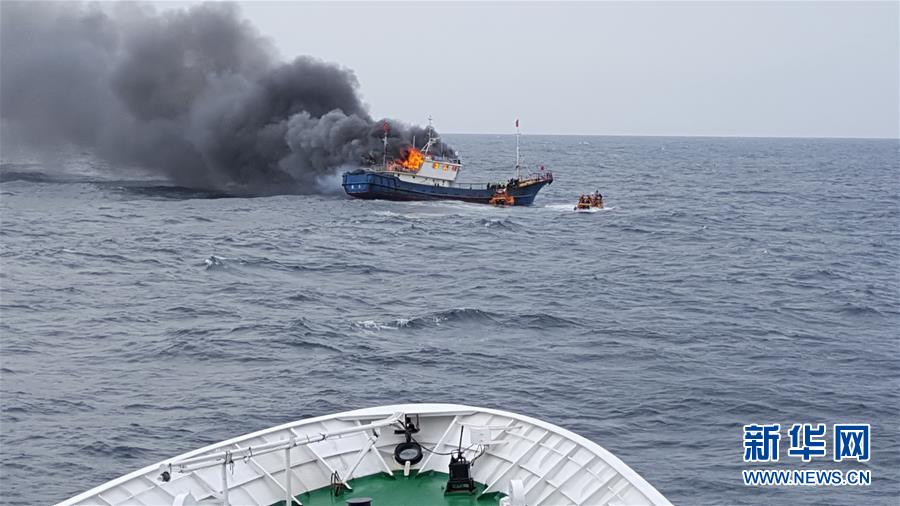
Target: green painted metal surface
<point>424,490</point>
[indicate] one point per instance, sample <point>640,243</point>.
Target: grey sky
<point>719,68</point>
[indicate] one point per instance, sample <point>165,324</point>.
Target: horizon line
<point>703,136</point>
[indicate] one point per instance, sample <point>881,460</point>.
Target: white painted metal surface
<point>540,462</point>
<point>413,178</point>
<point>437,169</point>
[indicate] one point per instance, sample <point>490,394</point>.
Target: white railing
<point>226,457</point>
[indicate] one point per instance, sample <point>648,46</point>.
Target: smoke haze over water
<point>195,95</point>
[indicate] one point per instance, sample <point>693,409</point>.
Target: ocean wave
<point>304,297</point>
<point>215,263</point>
<point>817,274</point>
<point>47,406</point>
<point>200,344</point>
<point>153,407</point>
<point>306,344</point>
<point>31,173</point>
<point>437,318</point>
<point>465,316</point>
<point>373,325</point>
<point>499,223</point>
<point>14,172</point>
<point>859,309</point>
<point>459,315</point>
<point>544,321</point>
<point>158,191</point>
<point>105,449</point>
<point>754,192</point>
<point>186,311</point>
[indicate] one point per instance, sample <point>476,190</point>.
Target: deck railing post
<point>225,483</point>
<point>288,498</point>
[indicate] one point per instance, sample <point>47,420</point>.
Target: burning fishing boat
<point>429,174</point>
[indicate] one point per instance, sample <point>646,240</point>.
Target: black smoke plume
<point>196,95</point>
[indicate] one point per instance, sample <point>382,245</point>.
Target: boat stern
<point>357,183</point>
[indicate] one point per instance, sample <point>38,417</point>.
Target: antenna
<point>429,132</point>
<point>517,148</point>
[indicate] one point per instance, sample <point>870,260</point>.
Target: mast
<point>429,132</point>
<point>517,148</point>
<point>384,140</point>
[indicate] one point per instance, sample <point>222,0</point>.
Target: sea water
<point>729,282</point>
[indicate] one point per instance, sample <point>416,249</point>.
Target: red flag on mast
<point>385,126</point>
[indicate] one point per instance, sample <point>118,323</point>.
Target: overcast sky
<point>734,69</point>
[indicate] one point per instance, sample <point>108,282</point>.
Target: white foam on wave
<point>397,324</point>
<point>570,208</point>
<point>214,260</point>
<point>460,207</point>
<point>410,216</point>
<point>372,325</point>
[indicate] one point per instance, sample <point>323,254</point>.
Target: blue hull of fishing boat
<point>373,185</point>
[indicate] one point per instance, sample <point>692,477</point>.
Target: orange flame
<point>414,159</point>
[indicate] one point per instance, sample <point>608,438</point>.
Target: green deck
<point>425,490</point>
